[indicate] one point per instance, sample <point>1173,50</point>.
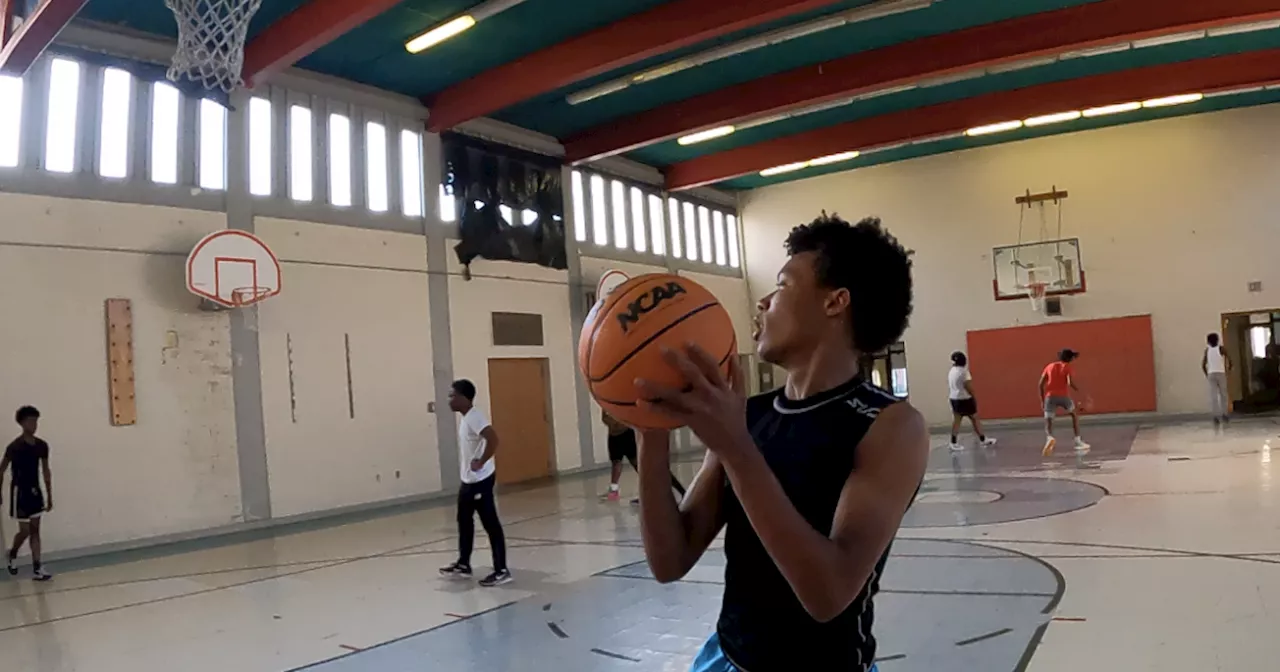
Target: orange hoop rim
<point>253,294</point>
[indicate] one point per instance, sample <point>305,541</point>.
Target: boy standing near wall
<point>477,444</point>
<point>1056,383</point>
<point>1216,363</point>
<point>29,457</point>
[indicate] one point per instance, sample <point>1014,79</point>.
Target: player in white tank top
<point>1215,365</point>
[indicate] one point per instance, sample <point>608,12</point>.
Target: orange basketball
<point>623,337</point>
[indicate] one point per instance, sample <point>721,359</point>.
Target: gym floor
<point>1158,551</point>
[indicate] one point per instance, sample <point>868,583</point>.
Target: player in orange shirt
<point>1056,384</point>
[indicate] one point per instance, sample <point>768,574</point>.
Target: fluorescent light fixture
<point>662,71</point>
<point>835,158</point>
<point>880,10</point>
<point>1111,109</point>
<point>1095,51</point>
<point>580,97</point>
<point>1021,65</point>
<point>994,128</point>
<point>1175,38</point>
<point>1236,92</point>
<point>709,134</point>
<point>1174,100</point>
<point>936,138</point>
<point>439,34</point>
<point>962,76</point>
<point>1244,28</point>
<point>788,168</point>
<point>806,29</point>
<point>887,148</point>
<point>901,88</point>
<point>1055,118</point>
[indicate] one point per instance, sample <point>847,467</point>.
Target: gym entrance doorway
<point>1252,341</point>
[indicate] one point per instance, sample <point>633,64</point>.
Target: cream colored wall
<point>501,286</point>
<point>370,286</point>
<point>176,469</point>
<point>1175,218</point>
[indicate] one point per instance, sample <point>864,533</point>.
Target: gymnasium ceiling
<point>898,78</point>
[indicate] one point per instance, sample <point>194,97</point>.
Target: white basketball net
<point>1037,291</point>
<point>211,37</point>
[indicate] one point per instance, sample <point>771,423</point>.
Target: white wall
<point>370,286</point>
<point>176,469</point>
<point>502,286</point>
<point>1175,218</point>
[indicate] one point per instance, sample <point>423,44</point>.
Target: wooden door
<point>520,401</point>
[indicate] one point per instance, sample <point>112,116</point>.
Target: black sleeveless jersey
<point>810,447</point>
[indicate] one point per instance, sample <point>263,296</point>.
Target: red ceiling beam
<point>1048,33</point>
<point>303,31</point>
<point>36,33</point>
<point>1214,74</point>
<point>663,29</point>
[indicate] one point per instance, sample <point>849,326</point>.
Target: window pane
<point>674,221</point>
<point>619,215</point>
<point>731,223</point>
<point>213,145</point>
<point>64,96</point>
<point>117,99</point>
<point>10,120</point>
<point>301,179</point>
<point>375,161</point>
<point>528,217</point>
<point>704,233</point>
<point>717,223</point>
<point>165,103</point>
<point>690,232</point>
<point>579,209</point>
<point>656,224</point>
<point>339,160</point>
<point>599,227</point>
<point>639,240</point>
<point>259,146</point>
<point>448,205</point>
<point>411,173</point>
<point>507,214</point>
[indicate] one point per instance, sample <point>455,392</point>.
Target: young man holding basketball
<point>811,480</point>
<point>29,457</point>
<point>1056,383</point>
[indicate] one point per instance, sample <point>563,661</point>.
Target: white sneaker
<point>1081,446</point>
<point>955,447</point>
<point>41,575</point>
<point>1049,443</point>
<point>988,442</point>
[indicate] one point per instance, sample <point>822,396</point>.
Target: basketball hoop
<point>211,37</point>
<point>247,296</point>
<point>1036,292</point>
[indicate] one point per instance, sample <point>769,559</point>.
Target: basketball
<point>626,330</point>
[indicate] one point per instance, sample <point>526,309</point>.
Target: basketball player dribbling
<point>1056,383</point>
<point>811,480</point>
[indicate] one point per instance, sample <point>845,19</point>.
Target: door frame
<point>554,464</point>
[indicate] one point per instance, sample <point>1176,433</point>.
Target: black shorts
<point>26,503</point>
<point>965,408</point>
<point>622,447</point>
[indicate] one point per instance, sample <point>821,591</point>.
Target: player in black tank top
<point>812,480</point>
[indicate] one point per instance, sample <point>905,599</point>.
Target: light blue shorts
<point>712,659</point>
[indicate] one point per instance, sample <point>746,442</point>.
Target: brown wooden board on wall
<point>120,383</point>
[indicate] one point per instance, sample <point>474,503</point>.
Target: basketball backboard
<point>1055,263</point>
<point>233,269</point>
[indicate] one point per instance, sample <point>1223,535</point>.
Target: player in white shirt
<point>477,444</point>
<point>963,405</point>
<point>1216,363</point>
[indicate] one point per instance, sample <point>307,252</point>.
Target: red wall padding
<point>1116,366</point>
